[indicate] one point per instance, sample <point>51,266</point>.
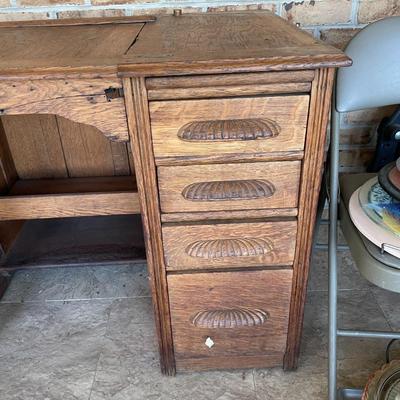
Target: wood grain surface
<point>226,116</point>
<point>174,181</point>
<point>255,290</point>
<point>79,100</point>
<point>79,21</point>
<point>229,91</point>
<point>68,205</point>
<point>228,130</point>
<point>8,172</point>
<point>46,146</point>
<point>238,189</point>
<point>70,242</point>
<point>31,199</point>
<point>212,158</point>
<point>88,153</point>
<point>65,47</point>
<point>225,80</point>
<point>267,359</point>
<point>9,230</point>
<point>309,193</point>
<point>31,91</point>
<point>225,318</point>
<point>189,44</point>
<point>229,215</point>
<point>29,187</point>
<point>146,175</point>
<point>35,146</point>
<point>213,246</point>
<point>288,113</point>
<point>225,42</point>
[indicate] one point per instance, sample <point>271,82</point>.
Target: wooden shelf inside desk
<point>71,242</point>
<point>73,197</point>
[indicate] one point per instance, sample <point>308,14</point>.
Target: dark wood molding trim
<point>308,201</point>
<point>142,150</point>
<point>9,230</point>
<point>8,173</point>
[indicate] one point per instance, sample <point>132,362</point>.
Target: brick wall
<point>333,21</point>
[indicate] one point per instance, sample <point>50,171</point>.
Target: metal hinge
<point>113,93</point>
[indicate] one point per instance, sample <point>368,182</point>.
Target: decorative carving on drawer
<point>229,130</point>
<point>229,190</point>
<point>235,247</point>
<point>230,318</point>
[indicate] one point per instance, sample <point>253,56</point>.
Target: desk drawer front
<point>219,187</point>
<point>229,314</point>
<point>223,126</point>
<point>229,245</point>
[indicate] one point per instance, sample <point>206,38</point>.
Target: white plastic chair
<point>372,81</point>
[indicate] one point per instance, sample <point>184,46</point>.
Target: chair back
<point>374,78</point>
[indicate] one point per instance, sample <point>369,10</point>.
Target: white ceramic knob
<point>209,342</point>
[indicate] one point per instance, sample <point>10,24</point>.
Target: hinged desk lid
<point>173,44</point>
<point>77,45</point>
<point>226,42</point>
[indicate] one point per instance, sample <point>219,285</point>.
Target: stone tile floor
<point>87,334</point>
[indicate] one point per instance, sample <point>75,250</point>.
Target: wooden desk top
<point>190,43</point>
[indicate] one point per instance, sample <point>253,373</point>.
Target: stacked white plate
<point>368,210</point>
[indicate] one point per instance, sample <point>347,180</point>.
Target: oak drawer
<point>244,315</point>
<point>229,245</point>
<point>218,187</point>
<point>222,126</point>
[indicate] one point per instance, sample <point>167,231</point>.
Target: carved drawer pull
<point>229,130</point>
<point>229,190</point>
<point>230,318</point>
<point>219,248</point>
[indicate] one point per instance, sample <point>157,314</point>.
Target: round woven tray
<point>384,384</point>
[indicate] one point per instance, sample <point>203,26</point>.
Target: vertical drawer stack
<point>229,160</point>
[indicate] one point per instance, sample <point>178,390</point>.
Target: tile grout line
<point>94,376</point>
<point>72,300</point>
<point>382,311</point>
<point>98,359</point>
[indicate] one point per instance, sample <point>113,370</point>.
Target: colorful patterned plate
<point>372,230</point>
<point>379,206</point>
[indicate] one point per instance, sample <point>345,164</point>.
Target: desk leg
<point>9,230</point>
<point>146,176</point>
<point>321,92</point>
<point>4,282</point>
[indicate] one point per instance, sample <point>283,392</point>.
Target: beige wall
<point>333,21</point>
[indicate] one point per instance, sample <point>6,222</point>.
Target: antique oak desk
<point>223,118</point>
